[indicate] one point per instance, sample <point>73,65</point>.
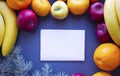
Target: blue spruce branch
<point>14,64</point>
<point>22,67</point>
<point>37,73</point>
<point>47,70</point>
<point>61,74</point>
<point>7,64</point>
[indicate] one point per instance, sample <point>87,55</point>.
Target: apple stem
<point>56,9</point>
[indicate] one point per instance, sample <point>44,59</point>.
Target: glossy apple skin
<point>78,74</point>
<point>96,11</point>
<point>59,10</point>
<point>93,1</point>
<point>27,20</point>
<point>102,33</point>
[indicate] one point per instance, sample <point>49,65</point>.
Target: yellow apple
<point>59,10</point>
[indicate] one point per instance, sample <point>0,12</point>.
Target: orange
<point>107,56</point>
<point>102,73</point>
<point>78,7</point>
<point>41,7</point>
<point>19,4</point>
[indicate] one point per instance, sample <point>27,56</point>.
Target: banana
<point>111,20</point>
<point>11,29</point>
<point>2,29</point>
<point>118,9</point>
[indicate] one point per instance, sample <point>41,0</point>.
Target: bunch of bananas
<point>8,28</point>
<point>112,19</point>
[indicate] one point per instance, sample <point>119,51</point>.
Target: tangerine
<point>41,7</point>
<point>18,4</point>
<point>107,56</point>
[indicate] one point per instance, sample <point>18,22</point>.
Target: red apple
<point>93,1</point>
<point>27,20</point>
<point>102,33</point>
<point>78,74</point>
<point>96,11</point>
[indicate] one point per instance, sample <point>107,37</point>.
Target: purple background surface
<point>30,43</point>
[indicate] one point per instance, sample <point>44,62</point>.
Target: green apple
<point>59,10</point>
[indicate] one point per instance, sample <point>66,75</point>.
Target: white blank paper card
<point>62,45</point>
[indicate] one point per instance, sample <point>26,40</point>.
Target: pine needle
<point>37,73</point>
<point>47,70</point>
<point>61,74</point>
<point>14,64</point>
